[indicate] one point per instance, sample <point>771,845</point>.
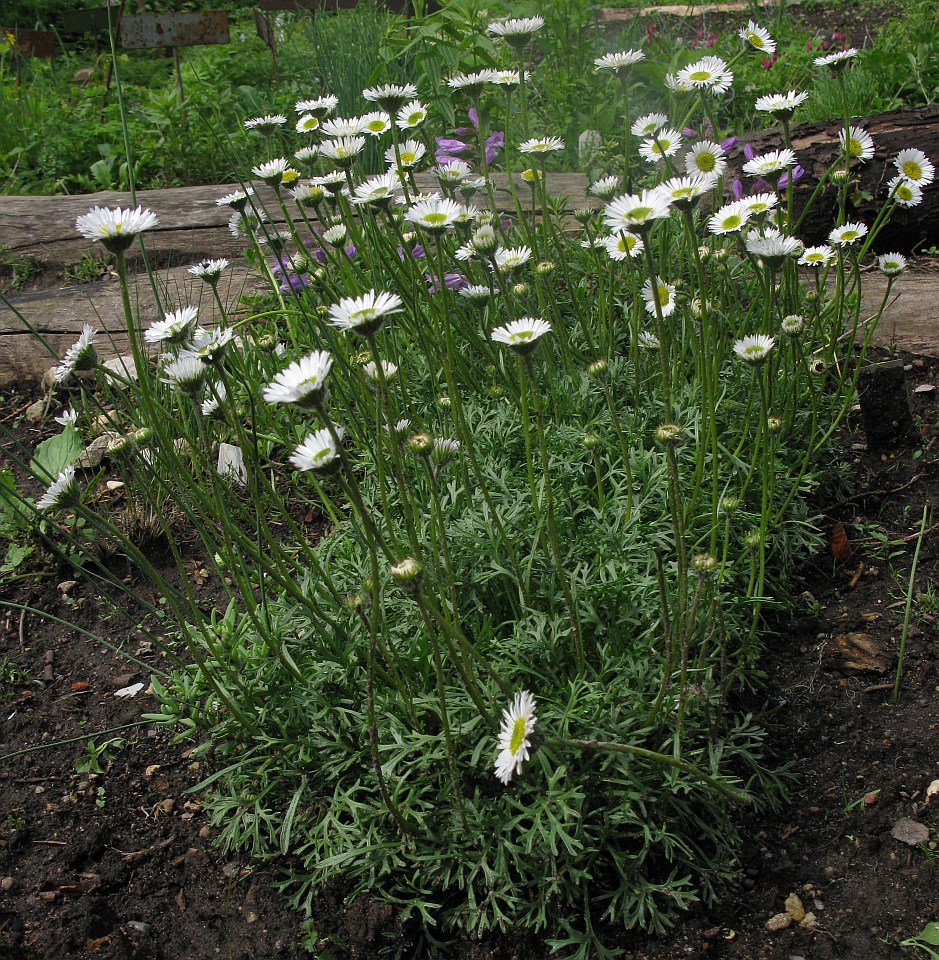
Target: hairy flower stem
<point>664,341</point>
<point>555,550</point>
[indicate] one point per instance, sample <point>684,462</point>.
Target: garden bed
<point>121,864</point>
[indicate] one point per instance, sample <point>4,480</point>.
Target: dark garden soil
<point>122,864</point>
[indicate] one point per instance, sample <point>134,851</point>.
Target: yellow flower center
<point>706,162</point>
<point>732,222</point>
<point>699,75</point>
<point>518,728</point>
<point>912,170</point>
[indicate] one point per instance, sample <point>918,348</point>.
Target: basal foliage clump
<point>499,492</point>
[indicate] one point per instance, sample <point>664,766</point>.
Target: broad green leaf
<point>52,456</point>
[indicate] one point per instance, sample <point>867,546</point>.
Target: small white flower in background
<point>208,345</point>
<point>186,373</point>
<point>308,123</point>
<point>435,216</point>
<point>819,256</point>
<point>237,200</point>
<point>411,115</point>
<point>522,334</point>
<point>319,107</point>
<point>666,296</point>
<point>677,84</point>
<point>684,191</point>
<point>647,125</point>
<point>606,187</point>
<point>333,182</point>
<point>758,38</point>
<point>379,190</point>
<point>541,145</point>
<point>411,152</point>
<point>905,192</point>
<point>730,218</point>
<point>516,29</point>
<point>116,229</point>
<point>772,245</point>
<point>759,203</point>
<point>453,171</point>
<point>231,464</point>
<point>266,125</point>
<point>61,492</point>
<point>860,145</point>
<point>508,259</point>
<point>388,370</point>
<point>444,450</point>
<point>335,235</point>
<point>472,84</point>
<point>781,105</point>
<point>518,724</point>
<point>342,150</point>
<point>68,418</point>
<point>615,62</point>
<point>343,127</point>
<point>275,172</point>
<point>476,293</point>
<point>635,212</point>
<point>213,403</point>
<point>915,166</point>
<point>209,270</point>
<point>847,234</point>
<point>792,325</point>
<point>836,61</point>
<point>392,96</point>
<point>465,252</point>
<point>318,451</point>
<point>755,348</point>
<point>664,143</point>
<point>406,572</point>
<point>81,356</point>
<point>303,382</point>
<point>277,240</point>
<point>648,341</point>
<point>174,328</point>
<point>400,428</point>
<point>376,123</point>
<point>364,314</point>
<point>890,264</point>
<point>622,245</point>
<point>705,157</point>
<point>709,73</point>
<point>507,79</point>
<point>768,163</point>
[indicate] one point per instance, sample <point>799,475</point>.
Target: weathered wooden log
<point>816,147</point>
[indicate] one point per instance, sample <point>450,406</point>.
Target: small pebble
<point>6,884</point>
<point>778,922</point>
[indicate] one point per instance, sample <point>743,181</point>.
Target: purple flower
<point>728,144</point>
<point>759,185</point>
<point>418,253</point>
<point>450,145</point>
<point>474,117</point>
<point>797,174</point>
<point>689,133</point>
<point>736,188</point>
<point>748,151</point>
<point>494,142</point>
<point>454,281</point>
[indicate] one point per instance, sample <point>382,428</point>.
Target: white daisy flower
<point>616,62</point>
<point>335,235</point>
<point>388,369</point>
<point>837,60</point>
<point>472,84</point>
<point>434,216</point>
<point>343,127</point>
<point>333,182</point>
<point>635,212</point>
<point>303,382</point>
<point>622,245</point>
<point>378,190</point>
<point>775,161</point>
<point>792,325</point>
<point>705,157</point>
<point>781,105</point>
<point>666,296</point>
<point>664,143</point>
<point>647,125</point>
<point>307,194</point>
<point>453,171</point>
<point>648,341</point>
<point>61,492</point>
<point>319,107</point>
<point>891,264</point>
<point>758,37</point>
<point>860,145</point>
<point>186,373</point>
<point>376,123</point>
<point>759,203</point>
<point>81,355</point>
<point>175,327</point>
<point>308,123</point>
<point>213,402</point>
<point>518,724</point>
<point>847,234</point>
<point>755,348</point>
<point>819,256</point>
<point>730,218</point>
<point>342,150</point>
<point>411,152</point>
<point>275,172</point>
<point>511,258</point>
<point>606,187</point>
<point>521,335</point>
<point>684,191</point>
<point>915,166</point>
<point>517,28</point>
<point>709,73</point>
<point>117,228</point>
<point>676,84</point>
<point>541,145</point>
<point>392,96</point>
<point>237,200</point>
<point>505,78</point>
<point>266,125</point>
<point>364,314</point>
<point>318,451</point>
<point>905,192</point>
<point>68,417</point>
<point>209,270</point>
<point>771,244</point>
<point>411,115</point>
<point>209,345</point>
